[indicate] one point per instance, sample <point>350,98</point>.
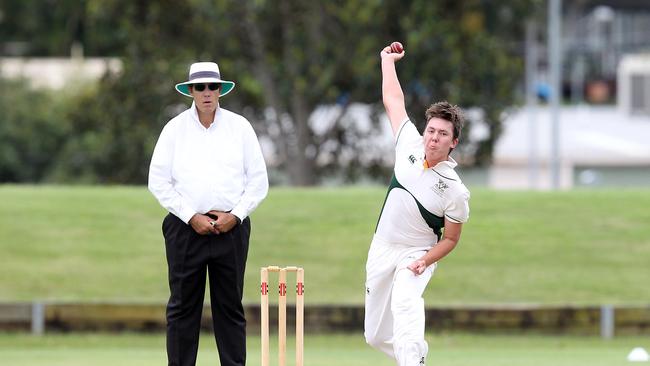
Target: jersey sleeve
<point>407,137</point>
<point>458,209</point>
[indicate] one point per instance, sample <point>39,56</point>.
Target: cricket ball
<point>396,47</point>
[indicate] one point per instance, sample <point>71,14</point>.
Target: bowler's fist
<point>396,47</point>
<point>418,267</point>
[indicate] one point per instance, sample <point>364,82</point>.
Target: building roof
<point>56,73</point>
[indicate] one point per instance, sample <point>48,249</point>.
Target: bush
<point>32,131</point>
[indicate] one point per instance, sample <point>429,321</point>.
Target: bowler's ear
<point>455,143</point>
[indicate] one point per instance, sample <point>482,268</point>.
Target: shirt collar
<point>450,163</point>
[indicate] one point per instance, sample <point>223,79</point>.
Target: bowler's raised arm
<point>391,90</point>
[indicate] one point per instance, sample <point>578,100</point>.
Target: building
<point>56,73</point>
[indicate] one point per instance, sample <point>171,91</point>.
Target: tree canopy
<point>288,58</point>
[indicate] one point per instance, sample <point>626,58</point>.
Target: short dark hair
<point>448,112</point>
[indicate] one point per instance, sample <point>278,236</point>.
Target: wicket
<point>282,313</point>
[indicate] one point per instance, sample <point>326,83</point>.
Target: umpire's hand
<point>225,221</point>
<point>203,224</point>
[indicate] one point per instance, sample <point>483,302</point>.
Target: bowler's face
<point>206,101</point>
<point>439,139</point>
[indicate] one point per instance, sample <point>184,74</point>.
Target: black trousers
<point>189,257</point>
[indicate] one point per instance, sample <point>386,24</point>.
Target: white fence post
<point>38,318</point>
<point>607,321</point>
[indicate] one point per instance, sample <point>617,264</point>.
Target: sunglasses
<point>201,87</point>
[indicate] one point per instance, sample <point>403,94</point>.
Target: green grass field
<point>105,244</point>
<point>339,350</point>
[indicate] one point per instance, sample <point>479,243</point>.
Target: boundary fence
<point>606,320</point>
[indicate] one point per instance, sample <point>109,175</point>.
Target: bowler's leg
<point>407,307</point>
<point>378,322</point>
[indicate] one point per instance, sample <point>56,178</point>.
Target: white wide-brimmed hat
<point>205,72</point>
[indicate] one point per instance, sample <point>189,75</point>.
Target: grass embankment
<point>105,244</point>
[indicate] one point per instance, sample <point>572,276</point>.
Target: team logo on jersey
<point>439,187</point>
<point>412,159</point>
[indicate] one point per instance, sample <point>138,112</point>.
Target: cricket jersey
<point>419,198</point>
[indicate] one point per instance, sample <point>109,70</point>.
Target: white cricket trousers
<point>394,320</point>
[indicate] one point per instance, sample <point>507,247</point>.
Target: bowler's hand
<point>418,267</point>
<point>225,221</point>
<point>387,55</point>
<point>203,225</point>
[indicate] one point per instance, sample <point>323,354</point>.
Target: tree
<point>116,124</point>
<point>306,54</point>
<point>52,27</point>
<point>467,52</point>
<point>32,130</point>
<point>313,53</point>
<point>288,58</point>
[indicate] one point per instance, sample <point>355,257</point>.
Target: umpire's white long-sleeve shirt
<point>196,169</point>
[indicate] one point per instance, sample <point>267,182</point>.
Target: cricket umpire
<point>208,171</point>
